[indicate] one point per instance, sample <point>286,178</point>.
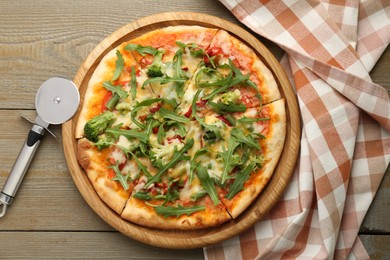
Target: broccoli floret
<point>155,69</point>
<point>231,97</point>
<point>163,153</point>
<point>96,126</point>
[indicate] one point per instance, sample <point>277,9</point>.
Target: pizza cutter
<point>56,102</point>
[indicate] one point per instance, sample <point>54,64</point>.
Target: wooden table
<point>49,218</point>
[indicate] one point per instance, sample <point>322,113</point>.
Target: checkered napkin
<point>331,46</point>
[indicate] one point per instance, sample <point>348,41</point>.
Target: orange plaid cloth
<point>331,46</point>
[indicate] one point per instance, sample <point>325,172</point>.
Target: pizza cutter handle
<point>20,167</point>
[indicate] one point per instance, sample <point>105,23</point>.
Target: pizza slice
<point>114,86</point>
<point>103,168</point>
<point>225,49</point>
<point>250,179</point>
<point>170,56</point>
<point>174,196</point>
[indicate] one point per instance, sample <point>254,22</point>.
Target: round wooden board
<point>194,238</point>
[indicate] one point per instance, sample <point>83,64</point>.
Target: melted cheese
<point>182,168</point>
<point>131,168</point>
<point>118,156</point>
<point>194,132</point>
<point>142,77</point>
<point>141,184</point>
<point>190,62</point>
<point>189,189</point>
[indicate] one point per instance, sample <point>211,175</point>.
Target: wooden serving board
<point>194,238</point>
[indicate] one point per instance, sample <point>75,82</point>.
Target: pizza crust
<point>138,212</point>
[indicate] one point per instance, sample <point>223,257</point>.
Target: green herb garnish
<point>142,196</point>
<point>119,176</point>
<point>168,211</point>
<point>115,89</point>
<point>230,107</point>
<point>246,120</point>
<point>194,163</point>
<point>207,183</point>
<point>128,134</point>
<point>238,183</point>
<point>119,65</point>
<point>229,160</point>
<point>246,139</point>
<point>143,50</point>
<point>162,80</point>
<point>110,105</point>
<point>167,114</point>
<point>133,83</point>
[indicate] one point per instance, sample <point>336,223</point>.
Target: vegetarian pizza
<point>181,128</point>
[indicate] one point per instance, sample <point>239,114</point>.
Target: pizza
<point>180,128</point>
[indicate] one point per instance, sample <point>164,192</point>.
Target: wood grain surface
<point>40,39</point>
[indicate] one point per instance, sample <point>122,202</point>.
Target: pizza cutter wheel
<point>56,102</point>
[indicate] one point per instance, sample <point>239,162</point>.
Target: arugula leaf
<point>178,74</point>
<point>172,193</point>
<point>152,123</point>
<point>207,183</point>
<point>119,65</point>
<point>167,114</point>
<point>209,137</point>
<point>235,77</point>
<point>115,89</point>
<point>238,183</point>
<point>112,102</point>
<point>120,177</point>
<point>193,104</point>
<point>143,137</point>
<point>133,83</point>
<point>168,211</point>
<point>222,88</point>
<point>242,138</point>
<point>176,158</point>
<point>135,121</point>
<point>246,120</point>
<point>230,107</point>
<point>240,78</point>
<point>230,118</point>
<point>142,195</point>
<point>182,44</point>
<point>162,80</point>
<point>141,166</point>
<point>198,195</point>
<point>161,134</point>
<point>196,51</point>
<point>209,77</point>
<point>181,129</point>
<point>137,107</point>
<point>143,50</point>
<point>193,163</point>
<point>211,128</point>
<point>228,159</point>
